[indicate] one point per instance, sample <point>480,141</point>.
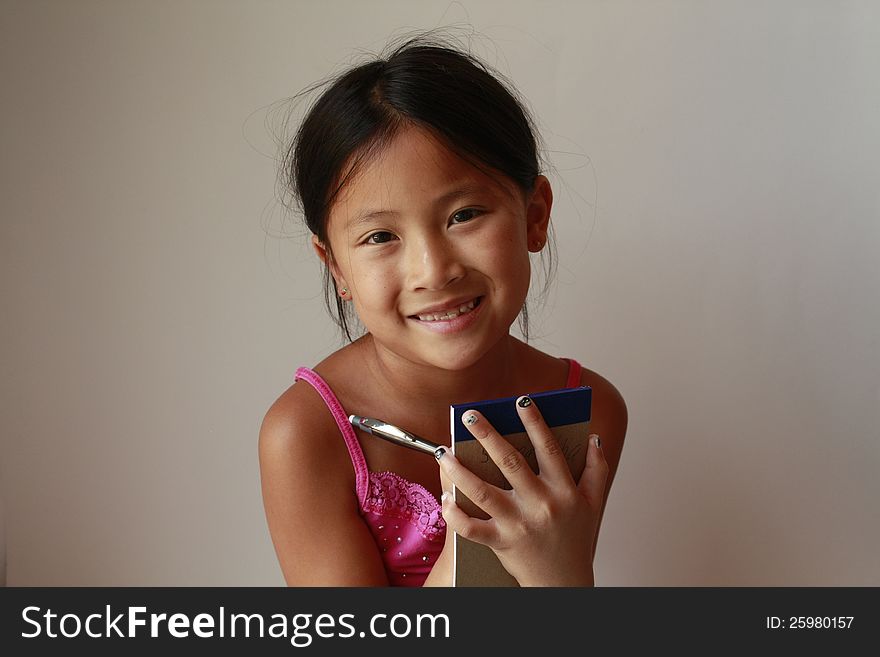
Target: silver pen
<point>396,435</point>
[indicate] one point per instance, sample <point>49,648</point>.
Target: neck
<point>424,386</point>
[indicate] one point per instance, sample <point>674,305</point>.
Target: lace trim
<point>389,493</point>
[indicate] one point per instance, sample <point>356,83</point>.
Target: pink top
<point>403,517</point>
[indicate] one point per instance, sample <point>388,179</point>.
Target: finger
<point>512,464</point>
<point>595,474</point>
<point>552,465</point>
<point>473,529</point>
<point>489,498</point>
<point>445,481</point>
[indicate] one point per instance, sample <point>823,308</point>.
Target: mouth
<point>451,313</point>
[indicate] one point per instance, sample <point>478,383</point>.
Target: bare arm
<point>309,497</point>
<point>610,419</point>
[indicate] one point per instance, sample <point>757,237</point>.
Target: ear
<point>325,257</point>
<point>538,209</point>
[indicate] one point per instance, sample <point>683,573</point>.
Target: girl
<point>418,176</point>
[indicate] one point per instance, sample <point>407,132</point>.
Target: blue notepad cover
<point>558,407</point>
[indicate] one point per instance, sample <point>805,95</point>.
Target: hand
<point>544,529</point>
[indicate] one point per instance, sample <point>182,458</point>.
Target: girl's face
<point>420,233</point>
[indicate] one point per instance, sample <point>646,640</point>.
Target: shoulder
<point>609,415</point>
<point>605,393</point>
<point>299,423</point>
<point>299,435</point>
<point>309,495</point>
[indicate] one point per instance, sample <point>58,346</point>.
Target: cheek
<point>374,284</point>
<point>507,250</point>
<point>521,271</point>
<point>505,235</point>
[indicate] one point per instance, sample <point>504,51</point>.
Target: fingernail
<point>596,440</point>
<point>439,452</point>
<point>447,461</point>
<point>470,419</point>
<point>524,401</point>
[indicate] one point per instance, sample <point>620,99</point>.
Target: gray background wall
<point>716,176</point>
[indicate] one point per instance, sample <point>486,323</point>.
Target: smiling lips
<point>452,313</point>
<point>452,319</point>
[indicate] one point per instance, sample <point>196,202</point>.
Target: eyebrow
<point>451,195</point>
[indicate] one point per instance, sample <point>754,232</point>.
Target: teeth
<point>465,308</point>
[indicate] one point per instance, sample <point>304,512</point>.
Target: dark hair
<point>423,82</point>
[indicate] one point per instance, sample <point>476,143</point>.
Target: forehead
<point>412,171</point>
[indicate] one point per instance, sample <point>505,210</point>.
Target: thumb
<point>595,474</point>
<point>445,482</point>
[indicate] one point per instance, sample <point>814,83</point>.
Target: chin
<point>454,358</point>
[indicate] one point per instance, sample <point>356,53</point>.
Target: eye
<point>467,214</point>
<point>379,237</point>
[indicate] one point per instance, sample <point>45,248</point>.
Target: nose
<point>432,263</point>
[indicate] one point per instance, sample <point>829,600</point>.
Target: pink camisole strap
<point>351,442</point>
<point>574,373</point>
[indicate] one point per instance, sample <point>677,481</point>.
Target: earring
<point>343,292</point>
